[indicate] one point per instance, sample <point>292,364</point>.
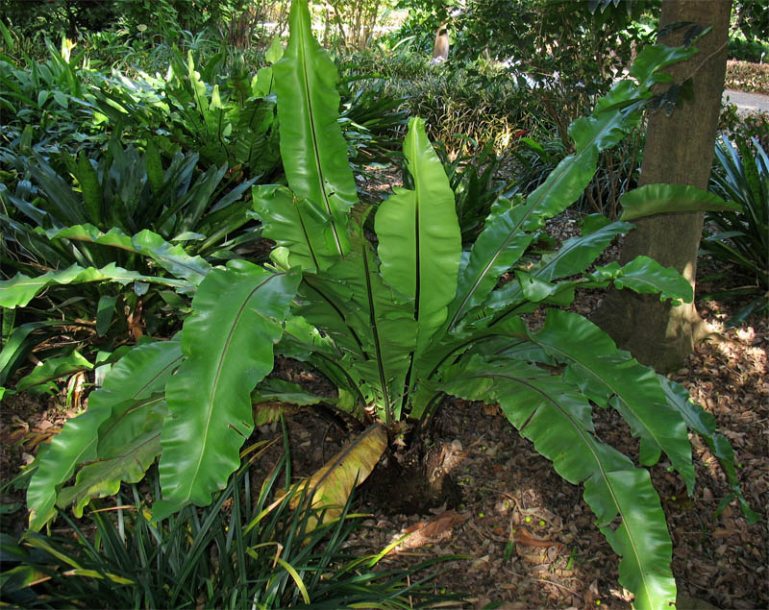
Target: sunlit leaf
<point>313,150</point>
<point>419,237</point>
<point>21,289</point>
<point>654,199</point>
<point>228,345</point>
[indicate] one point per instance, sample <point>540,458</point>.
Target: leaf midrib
<point>546,193</point>
<point>302,60</point>
<point>588,441</point>
<point>217,376</point>
<point>603,381</point>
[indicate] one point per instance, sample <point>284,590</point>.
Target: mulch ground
<point>528,537</point>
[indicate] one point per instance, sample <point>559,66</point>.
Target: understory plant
<point>225,120</point>
<point>397,323</point>
<point>476,183</point>
<point>245,550</point>
<point>123,190</point>
<point>40,99</point>
<point>106,214</point>
<point>741,238</point>
<point>371,118</point>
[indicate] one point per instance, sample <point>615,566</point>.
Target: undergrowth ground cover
<point>175,219</point>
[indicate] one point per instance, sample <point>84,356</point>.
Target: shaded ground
<point>531,538</point>
<point>528,537</point>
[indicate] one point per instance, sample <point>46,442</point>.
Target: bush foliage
<point>747,76</point>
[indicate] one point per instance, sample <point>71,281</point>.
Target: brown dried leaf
<point>431,530</point>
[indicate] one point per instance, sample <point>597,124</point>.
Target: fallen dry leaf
<point>430,530</point>
<point>521,536</point>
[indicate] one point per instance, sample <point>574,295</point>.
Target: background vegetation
<point>132,135</point>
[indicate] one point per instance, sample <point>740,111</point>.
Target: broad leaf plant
<point>396,322</point>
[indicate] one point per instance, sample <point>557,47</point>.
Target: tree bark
<point>679,150</point>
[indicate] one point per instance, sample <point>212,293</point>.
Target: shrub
<point>465,104</point>
<point>744,50</point>
<point>464,112</point>
<point>372,118</point>
<point>745,76</point>
<point>35,16</point>
<point>40,101</point>
<point>230,122</point>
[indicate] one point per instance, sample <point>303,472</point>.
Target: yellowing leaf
<point>332,485</point>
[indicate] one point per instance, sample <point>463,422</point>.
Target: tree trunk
<point>679,150</point>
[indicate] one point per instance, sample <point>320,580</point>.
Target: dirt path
<point>748,102</point>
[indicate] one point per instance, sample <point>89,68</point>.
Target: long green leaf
<point>228,344</point>
<point>323,303</point>
<point>42,376</point>
<point>503,240</point>
<point>608,375</point>
<point>507,232</point>
<point>704,424</point>
<point>646,276</point>
<point>61,200</point>
<point>128,444</point>
<point>294,223</point>
<point>90,188</point>
<point>18,344</point>
<point>172,258</point>
<point>21,289</point>
<point>654,199</point>
<point>279,390</point>
<point>574,256</point>
<point>56,462</point>
<point>643,275</point>
<point>419,237</point>
<point>140,373</point>
<point>154,165</point>
<point>103,476</point>
<point>301,339</point>
<point>653,59</point>
<point>557,420</point>
<point>312,147</point>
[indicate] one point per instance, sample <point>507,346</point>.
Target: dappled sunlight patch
<point>727,375</point>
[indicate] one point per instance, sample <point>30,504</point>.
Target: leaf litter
<point>527,537</point>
